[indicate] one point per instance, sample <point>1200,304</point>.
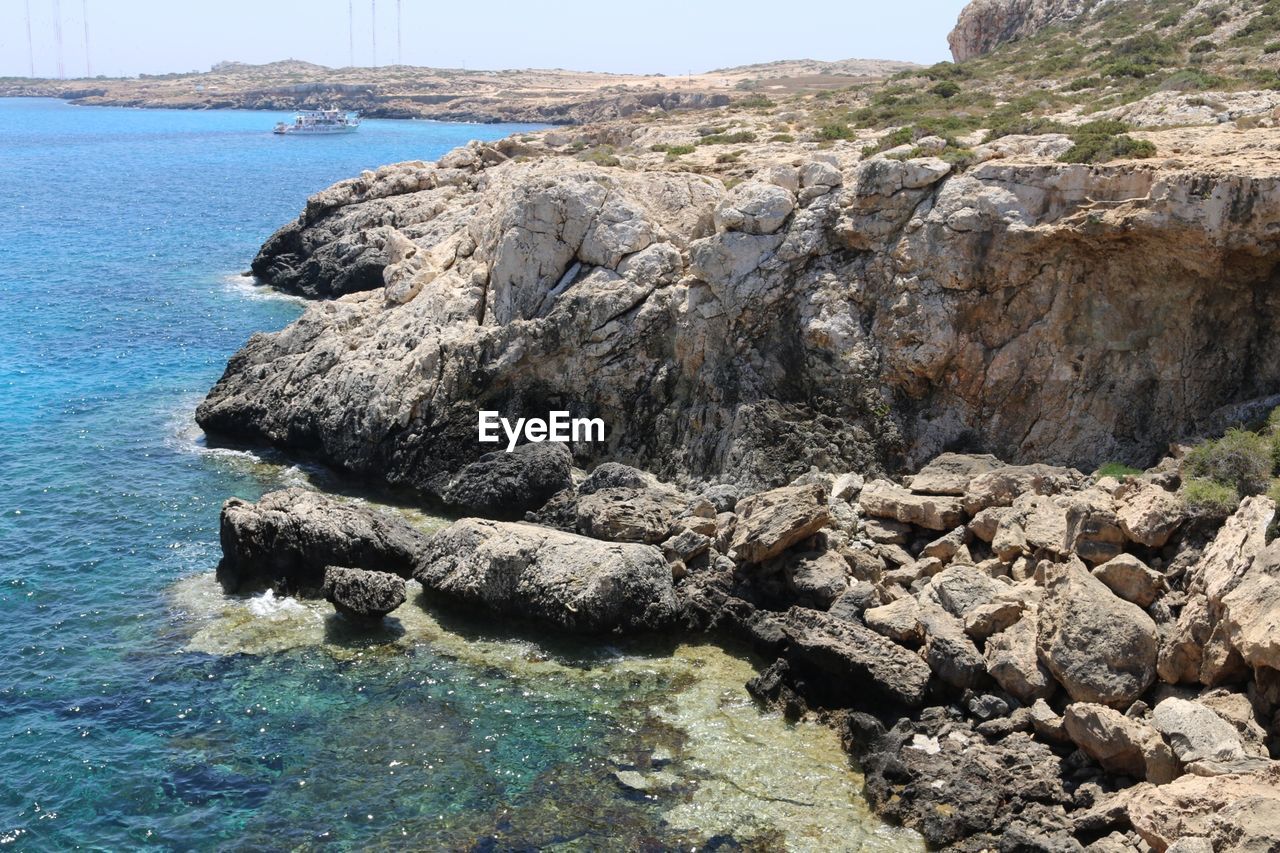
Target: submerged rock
<point>566,580</point>
<point>288,538</point>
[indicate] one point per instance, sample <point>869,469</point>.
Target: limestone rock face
<point>288,538</point>
<point>1101,648</point>
<point>985,24</point>
<point>362,594</point>
<point>898,309</point>
<point>536,573</point>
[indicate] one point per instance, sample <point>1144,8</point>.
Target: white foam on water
<point>248,287</point>
<point>268,606</point>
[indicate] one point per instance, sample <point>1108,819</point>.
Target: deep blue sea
<point>139,707</point>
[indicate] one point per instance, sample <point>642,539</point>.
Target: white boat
<point>320,123</point>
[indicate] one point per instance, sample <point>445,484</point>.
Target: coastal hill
<point>552,96</point>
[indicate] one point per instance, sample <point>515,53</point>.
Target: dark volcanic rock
<point>943,779</point>
<point>363,594</point>
<point>506,485</point>
<point>287,539</point>
<point>549,576</point>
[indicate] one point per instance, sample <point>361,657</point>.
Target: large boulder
<point>854,658</point>
<point>816,578</point>
<point>755,208</point>
<point>1195,732</point>
<point>288,538</point>
<point>506,485</point>
<point>569,581</point>
<point>1149,515</point>
<point>627,515</point>
<point>361,594</point>
<point>951,473</point>
<point>771,522</point>
<point>1101,648</point>
<point>1251,611</point>
<point>1182,646</point>
<point>883,499</point>
<point>1232,551</point>
<point>1001,486</point>
<point>1119,743</point>
<point>1131,579</point>
<point>1013,662</point>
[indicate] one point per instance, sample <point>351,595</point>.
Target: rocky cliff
<point>829,310</point>
<point>985,24</point>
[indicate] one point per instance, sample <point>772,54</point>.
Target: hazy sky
<point>668,36</point>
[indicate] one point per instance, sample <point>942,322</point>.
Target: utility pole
<point>373,29</point>
<point>31,51</point>
<point>84,13</point>
<point>57,36</point>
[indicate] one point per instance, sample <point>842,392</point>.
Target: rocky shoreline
<point>1018,656</point>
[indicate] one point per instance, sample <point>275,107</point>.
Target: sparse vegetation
<point>1117,470</point>
<point>1100,141</point>
<point>1241,459</point>
<point>1206,497</point>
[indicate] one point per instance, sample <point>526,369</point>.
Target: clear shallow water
<point>140,707</point>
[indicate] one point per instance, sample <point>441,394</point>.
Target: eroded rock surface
<point>287,539</point>
<point>545,575</point>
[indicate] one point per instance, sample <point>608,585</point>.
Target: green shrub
<point>782,137</point>
<point>1241,460</point>
<point>1271,47</point>
<point>1209,498</point>
<point>728,138</point>
<point>1084,83</point>
<point>1117,470</point>
<point>756,102</point>
<point>834,131</point>
<point>1100,141</point>
<point>677,151</point>
<point>602,156</point>
<point>945,89</point>
<point>1203,46</point>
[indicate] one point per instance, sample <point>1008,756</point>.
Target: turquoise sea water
<point>140,707</point>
